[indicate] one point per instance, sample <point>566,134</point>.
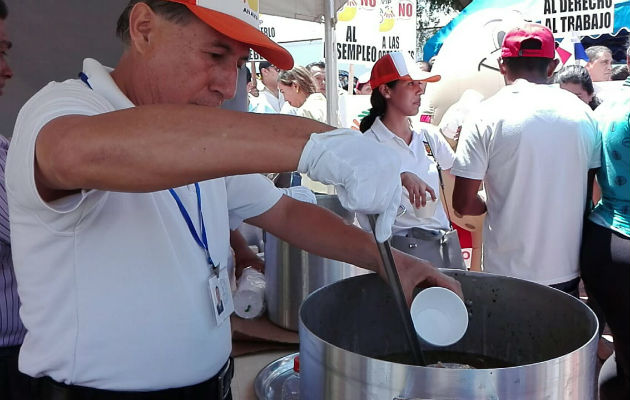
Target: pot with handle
<point>292,273</point>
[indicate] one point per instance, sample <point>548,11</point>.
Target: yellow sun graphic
<point>349,11</point>
<point>253,4</point>
<point>387,20</point>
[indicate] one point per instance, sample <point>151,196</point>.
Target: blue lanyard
<point>84,78</point>
<point>203,240</point>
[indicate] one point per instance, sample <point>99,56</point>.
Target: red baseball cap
<point>395,66</point>
<point>513,40</point>
<point>238,20</point>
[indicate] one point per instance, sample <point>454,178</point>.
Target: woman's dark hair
<point>578,75</point>
<point>173,12</point>
<point>379,107</point>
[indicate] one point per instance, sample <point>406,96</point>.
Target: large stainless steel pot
<point>292,273</point>
<point>549,336</point>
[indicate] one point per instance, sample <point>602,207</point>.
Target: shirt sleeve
<point>4,207</point>
<point>595,160</point>
<point>53,101</point>
<point>471,157</point>
<point>443,152</point>
<point>249,196</point>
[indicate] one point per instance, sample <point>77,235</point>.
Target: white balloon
<point>468,59</point>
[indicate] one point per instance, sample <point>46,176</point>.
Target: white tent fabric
<point>298,9</point>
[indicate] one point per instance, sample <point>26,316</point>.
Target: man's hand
<point>365,174</point>
<point>417,189</point>
<point>247,259</point>
<point>414,272</point>
<point>244,256</point>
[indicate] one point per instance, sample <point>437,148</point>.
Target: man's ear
<point>552,67</point>
<point>142,21</point>
<point>502,67</point>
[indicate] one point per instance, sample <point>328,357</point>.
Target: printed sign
<point>369,29</point>
<point>583,17</point>
<point>352,109</point>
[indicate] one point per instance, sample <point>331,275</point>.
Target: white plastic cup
<point>420,212</point>
<point>249,297</point>
<point>439,316</point>
<point>428,210</point>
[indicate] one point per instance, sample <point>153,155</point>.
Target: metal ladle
<point>385,252</point>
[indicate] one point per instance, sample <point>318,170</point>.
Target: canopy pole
<point>330,54</point>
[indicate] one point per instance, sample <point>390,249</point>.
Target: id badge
<point>221,296</point>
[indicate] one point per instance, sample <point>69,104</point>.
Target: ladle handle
<point>385,252</point>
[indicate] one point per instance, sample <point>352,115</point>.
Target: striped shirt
<point>11,329</point>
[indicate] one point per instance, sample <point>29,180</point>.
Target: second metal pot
<point>292,273</point>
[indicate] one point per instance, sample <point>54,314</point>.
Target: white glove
<point>365,173</point>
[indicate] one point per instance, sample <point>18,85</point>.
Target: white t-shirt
<point>114,288</point>
<point>532,145</point>
<point>266,102</point>
<point>414,158</point>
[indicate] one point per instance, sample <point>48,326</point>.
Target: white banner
<point>352,109</point>
<point>369,29</point>
<point>584,17</point>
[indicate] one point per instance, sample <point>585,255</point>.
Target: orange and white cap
<point>398,66</point>
<point>239,20</point>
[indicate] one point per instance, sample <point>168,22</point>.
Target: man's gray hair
<point>174,12</point>
<point>595,52</point>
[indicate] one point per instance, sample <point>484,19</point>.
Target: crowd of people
<point>123,189</point>
<point>123,185</point>
<point>535,149</point>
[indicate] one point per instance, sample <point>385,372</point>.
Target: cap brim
<point>423,76</point>
<point>242,32</point>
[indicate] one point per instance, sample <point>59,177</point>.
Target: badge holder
<point>221,295</point>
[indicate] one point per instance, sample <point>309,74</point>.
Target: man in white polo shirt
<point>122,279</point>
<point>532,145</point>
<point>269,100</point>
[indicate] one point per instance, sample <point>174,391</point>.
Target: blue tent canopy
<point>433,45</point>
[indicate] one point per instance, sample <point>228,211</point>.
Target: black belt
<point>215,388</point>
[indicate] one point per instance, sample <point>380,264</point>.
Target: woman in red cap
<point>397,85</point>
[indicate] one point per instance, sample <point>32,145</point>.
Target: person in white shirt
<point>300,90</point>
<point>533,146</point>
<point>269,100</point>
<point>398,84</point>
<point>123,185</point>
<point>363,85</point>
<point>317,70</point>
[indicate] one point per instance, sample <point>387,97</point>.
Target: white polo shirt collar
<point>383,134</point>
<point>102,83</point>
